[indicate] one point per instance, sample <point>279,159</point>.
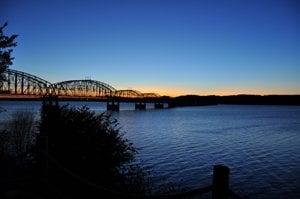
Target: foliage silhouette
<point>6,45</point>
<point>85,154</point>
<point>91,146</point>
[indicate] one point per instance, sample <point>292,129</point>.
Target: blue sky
<point>171,47</point>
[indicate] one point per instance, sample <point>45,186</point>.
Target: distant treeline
<point>189,100</point>
<point>195,100</point>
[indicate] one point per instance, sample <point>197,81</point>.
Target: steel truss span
<point>128,93</point>
<point>134,94</point>
<point>83,88</point>
<point>17,82</point>
<point>21,83</point>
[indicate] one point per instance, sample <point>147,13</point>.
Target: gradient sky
<point>171,47</point>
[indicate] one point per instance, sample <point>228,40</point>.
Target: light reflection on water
<point>261,144</point>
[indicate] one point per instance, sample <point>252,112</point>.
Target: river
<point>260,144</point>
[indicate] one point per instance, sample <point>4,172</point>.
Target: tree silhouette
<point>6,45</point>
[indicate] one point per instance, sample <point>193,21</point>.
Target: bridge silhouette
<point>17,83</point>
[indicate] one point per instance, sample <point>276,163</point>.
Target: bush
<point>71,153</point>
<point>91,146</point>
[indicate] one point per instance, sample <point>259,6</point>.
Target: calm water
<point>261,144</point>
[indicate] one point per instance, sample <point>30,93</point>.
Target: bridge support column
<point>140,106</point>
<point>50,100</point>
<point>168,105</point>
<point>113,104</point>
<point>158,105</point>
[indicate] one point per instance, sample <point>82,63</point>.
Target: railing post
<point>220,188</point>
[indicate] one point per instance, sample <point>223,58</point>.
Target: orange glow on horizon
<point>177,91</point>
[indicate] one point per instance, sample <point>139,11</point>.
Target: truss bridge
<point>18,84</point>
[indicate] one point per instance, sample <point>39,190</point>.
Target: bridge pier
<point>112,104</point>
<point>50,100</point>
<point>158,105</point>
<point>140,106</point>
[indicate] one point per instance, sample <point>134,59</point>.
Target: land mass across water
<point>184,100</point>
<point>195,100</point>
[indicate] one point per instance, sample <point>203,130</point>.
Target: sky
<point>172,47</point>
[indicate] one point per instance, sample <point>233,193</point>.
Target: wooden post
<point>220,188</point>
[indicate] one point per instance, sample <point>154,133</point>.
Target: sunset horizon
<point>179,90</point>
